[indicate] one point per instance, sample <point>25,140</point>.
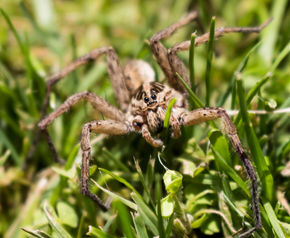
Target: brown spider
<point>144,113</point>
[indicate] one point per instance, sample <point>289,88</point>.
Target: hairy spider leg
<point>160,52</point>
<point>178,66</point>
<point>100,105</point>
<point>110,127</point>
<point>116,75</point>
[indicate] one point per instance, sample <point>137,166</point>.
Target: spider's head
<point>148,95</point>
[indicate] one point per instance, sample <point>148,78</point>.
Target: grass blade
<point>53,221</point>
<point>271,33</point>
<point>209,62</point>
<point>9,145</point>
<point>115,196</point>
<point>124,218</point>
<point>146,213</point>
<point>274,220</point>
<point>96,232</point>
<point>218,145</point>
<point>194,98</point>
<point>36,233</point>
<point>191,62</point>
<point>168,113</point>
<point>121,180</point>
<point>140,226</point>
<point>252,93</point>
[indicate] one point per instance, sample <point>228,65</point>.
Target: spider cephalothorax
<point>149,104</point>
<point>145,112</point>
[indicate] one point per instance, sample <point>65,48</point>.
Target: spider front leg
<point>117,79</point>
<point>114,69</point>
<point>97,102</point>
<point>160,53</point>
<point>110,127</point>
<point>206,114</point>
<point>182,46</point>
<point>148,137</point>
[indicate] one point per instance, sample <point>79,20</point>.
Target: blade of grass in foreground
<point>165,132</point>
<point>27,96</point>
<point>255,148</point>
<point>53,221</point>
<point>192,95</point>
<point>118,197</point>
<point>96,232</point>
<point>5,140</point>
<point>209,62</point>
<point>191,62</point>
<point>274,220</point>
<point>36,233</point>
<point>140,226</point>
<point>271,33</point>
<point>121,180</point>
<point>124,218</point>
<point>219,143</point>
<point>147,214</point>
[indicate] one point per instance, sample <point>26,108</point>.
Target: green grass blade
<point>169,227</point>
<point>160,220</point>
<point>168,113</point>
<point>209,62</point>
<point>16,157</point>
<point>191,62</point>
<point>53,221</point>
<point>19,41</point>
<point>280,57</point>
<point>255,148</point>
<point>121,180</point>
<point>146,213</point>
<point>96,232</point>
<point>274,220</point>
<point>117,197</point>
<point>194,98</point>
<point>36,233</point>
<point>124,218</point>
<point>81,226</point>
<point>140,226</point>
<point>219,144</point>
<point>271,33</point>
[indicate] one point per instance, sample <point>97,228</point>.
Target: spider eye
<point>153,96</point>
<point>137,125</point>
<point>146,99</point>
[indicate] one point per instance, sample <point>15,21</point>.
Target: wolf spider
<point>143,102</point>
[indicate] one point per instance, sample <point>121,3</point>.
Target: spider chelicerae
<point>143,102</point>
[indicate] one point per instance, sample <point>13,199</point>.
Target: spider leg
<point>97,102</point>
<point>114,69</point>
<point>148,137</point>
<point>110,127</point>
<point>116,75</point>
<point>160,52</point>
<point>182,46</point>
<point>206,114</point>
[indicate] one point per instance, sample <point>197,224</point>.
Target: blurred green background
<point>39,37</point>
